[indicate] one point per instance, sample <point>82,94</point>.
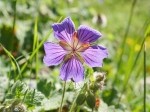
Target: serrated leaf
<point>15,86</point>
<point>18,88</point>
<point>52,103</point>
<point>33,98</point>
<point>105,108</point>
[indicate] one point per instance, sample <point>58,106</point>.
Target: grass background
<point>125,24</point>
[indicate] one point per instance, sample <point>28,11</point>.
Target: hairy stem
<point>64,90</point>
<point>73,104</point>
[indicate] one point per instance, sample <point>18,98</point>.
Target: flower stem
<point>144,103</point>
<point>73,104</point>
<point>64,90</point>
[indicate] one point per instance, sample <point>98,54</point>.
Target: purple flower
<point>74,49</point>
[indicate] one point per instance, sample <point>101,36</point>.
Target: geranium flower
<point>73,49</point>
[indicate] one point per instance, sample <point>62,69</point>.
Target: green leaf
<point>109,95</point>
<point>90,100</point>
<point>44,87</point>
<point>33,98</point>
<point>8,38</point>
<point>20,92</point>
<point>105,108</point>
<point>89,71</point>
<point>18,89</point>
<point>81,99</point>
<point>12,58</point>
<point>52,103</point>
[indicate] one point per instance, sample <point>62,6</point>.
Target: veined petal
<point>72,68</point>
<point>94,56</point>
<point>87,34</point>
<point>54,54</point>
<point>101,48</point>
<point>64,30</point>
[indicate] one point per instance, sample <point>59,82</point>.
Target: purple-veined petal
<point>87,34</point>
<point>72,69</point>
<point>101,48</point>
<point>54,54</point>
<point>94,56</point>
<point>64,30</point>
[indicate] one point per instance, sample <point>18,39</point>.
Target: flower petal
<point>64,30</point>
<point>54,54</point>
<point>101,48</point>
<point>87,34</point>
<point>72,69</point>
<point>94,56</point>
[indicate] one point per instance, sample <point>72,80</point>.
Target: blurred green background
<point>124,24</point>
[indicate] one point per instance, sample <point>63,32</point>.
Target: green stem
<point>130,72</point>
<point>64,90</point>
<point>126,33</point>
<point>124,39</point>
<point>123,45</point>
<point>127,76</point>
<point>144,103</point>
<point>73,104</point>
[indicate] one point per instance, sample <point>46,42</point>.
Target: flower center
<point>74,48</point>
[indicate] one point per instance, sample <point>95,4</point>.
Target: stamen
<point>65,45</point>
<point>83,47</point>
<point>75,40</point>
<point>68,56</point>
<point>74,48</point>
<point>79,57</point>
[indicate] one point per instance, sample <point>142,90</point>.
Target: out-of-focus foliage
<point>24,24</point>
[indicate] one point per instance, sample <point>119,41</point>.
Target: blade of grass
<point>138,40</point>
<point>37,48</point>
<point>35,34</point>
<point>123,46</point>
<point>24,55</point>
<point>15,13</point>
<point>128,74</point>
<point>35,51</point>
<point>147,34</point>
<point>36,57</point>
<point>35,44</point>
<point>13,65</point>
<point>12,58</point>
<point>126,33</point>
<point>124,39</point>
<point>144,101</point>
